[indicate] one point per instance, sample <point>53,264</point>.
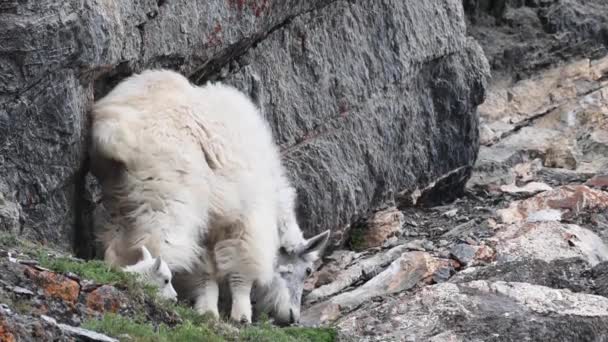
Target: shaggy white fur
<point>193,174</point>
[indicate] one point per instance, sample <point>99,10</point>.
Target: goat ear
<point>156,266</point>
<point>315,244</point>
<point>146,253</point>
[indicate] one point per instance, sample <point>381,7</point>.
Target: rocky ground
<point>521,257</point>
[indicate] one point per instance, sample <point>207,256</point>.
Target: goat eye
<point>166,281</point>
<point>308,271</point>
<point>283,250</point>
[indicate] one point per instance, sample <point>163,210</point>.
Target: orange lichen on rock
<point>5,334</point>
<point>104,299</point>
<point>55,285</point>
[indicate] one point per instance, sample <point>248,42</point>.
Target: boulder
<point>549,241</point>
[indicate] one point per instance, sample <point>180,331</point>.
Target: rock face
<point>484,311</point>
<point>365,100</point>
<point>520,37</point>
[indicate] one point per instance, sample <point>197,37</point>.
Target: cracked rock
<point>406,272</point>
<point>380,227</point>
<point>467,254</point>
<point>481,311</point>
<point>549,241</point>
<point>571,201</point>
<point>80,333</point>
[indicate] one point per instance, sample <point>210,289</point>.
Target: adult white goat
<point>193,174</point>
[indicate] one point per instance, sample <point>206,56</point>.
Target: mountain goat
<point>154,271</point>
<point>193,174</point>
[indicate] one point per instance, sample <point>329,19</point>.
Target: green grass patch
<point>117,326</point>
<point>95,270</point>
<point>268,332</point>
<point>8,240</point>
<point>99,272</point>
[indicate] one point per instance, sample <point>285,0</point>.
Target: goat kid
<point>154,271</point>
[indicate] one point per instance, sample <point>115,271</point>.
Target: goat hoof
<point>242,321</point>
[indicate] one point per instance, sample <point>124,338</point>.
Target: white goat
<point>193,174</point>
<point>154,271</point>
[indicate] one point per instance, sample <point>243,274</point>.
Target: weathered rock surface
<point>549,241</point>
<point>569,201</point>
<point>364,99</point>
<point>558,116</point>
<point>377,230</point>
<point>409,270</point>
<point>39,304</point>
<point>483,311</point>
<point>522,37</point>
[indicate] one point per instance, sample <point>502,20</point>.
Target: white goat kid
<point>193,173</point>
<point>154,271</point>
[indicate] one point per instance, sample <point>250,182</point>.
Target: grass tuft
<point>121,327</point>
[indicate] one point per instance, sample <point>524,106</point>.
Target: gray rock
<point>363,269</point>
<point>17,327</point>
<point>521,37</point>
<point>573,274</point>
<point>409,270</point>
<point>365,99</point>
<point>600,276</point>
<point>549,241</point>
<point>482,311</point>
<point>464,253</point>
<point>10,212</point>
<point>79,333</point>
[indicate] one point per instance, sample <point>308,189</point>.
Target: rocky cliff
<point>365,99</point>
